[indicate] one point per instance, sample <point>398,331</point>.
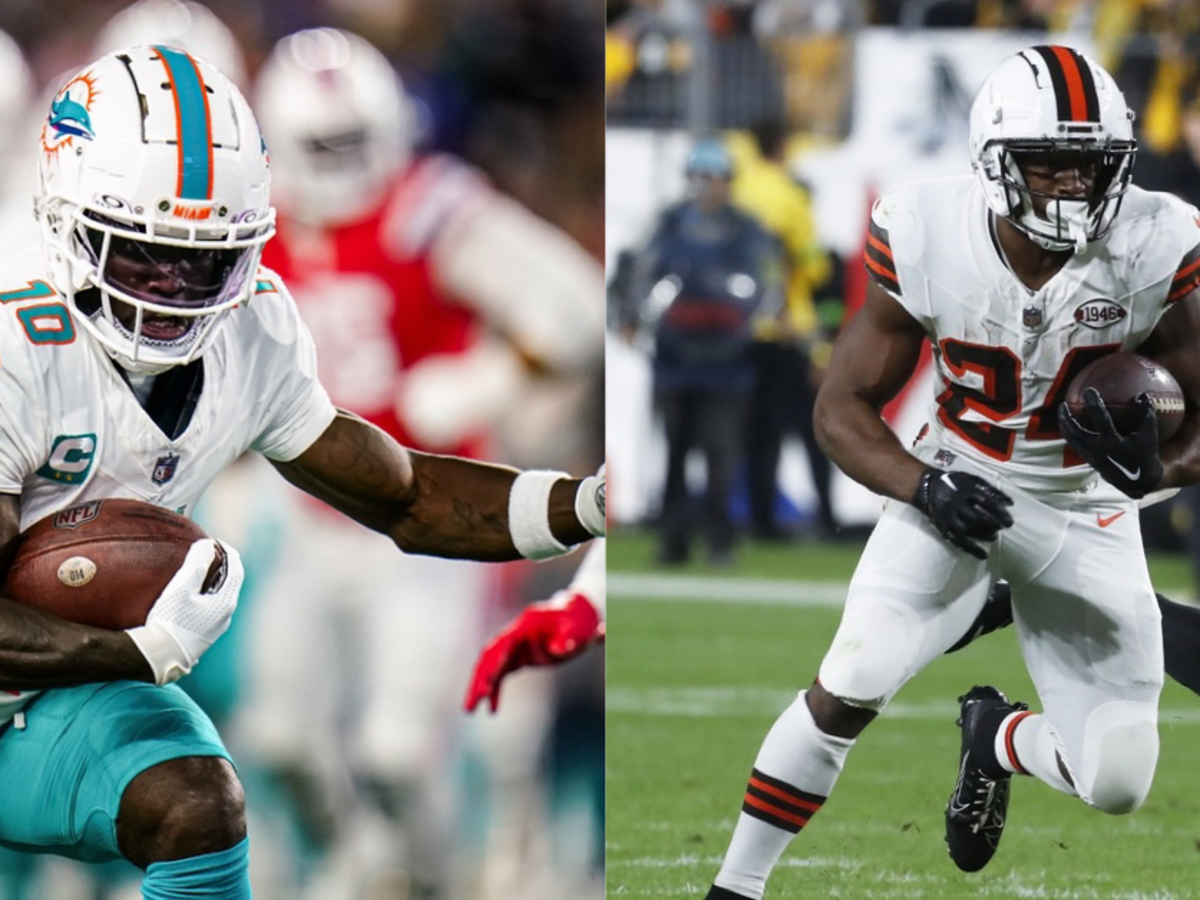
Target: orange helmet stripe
<point>1073,84</point>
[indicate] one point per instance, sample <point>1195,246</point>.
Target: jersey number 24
<point>1000,397</point>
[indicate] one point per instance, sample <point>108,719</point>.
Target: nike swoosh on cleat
<point>1105,521</point>
<point>958,808</point>
<point>1132,476</point>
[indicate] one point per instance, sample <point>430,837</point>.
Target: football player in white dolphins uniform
<point>143,350</point>
<point>1047,259</point>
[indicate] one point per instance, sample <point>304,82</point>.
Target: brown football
<point>101,563</point>
<point>1120,378</point>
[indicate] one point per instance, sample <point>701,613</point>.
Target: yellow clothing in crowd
<point>620,60</point>
<point>767,191</point>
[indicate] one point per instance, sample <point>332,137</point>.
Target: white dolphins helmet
<point>338,121</point>
<point>1052,99</point>
<point>182,24</point>
<point>153,203</point>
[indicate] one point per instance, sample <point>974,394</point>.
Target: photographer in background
<point>706,274</point>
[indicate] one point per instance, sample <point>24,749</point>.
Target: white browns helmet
<point>153,202</point>
<point>1050,99</point>
<point>338,122</point>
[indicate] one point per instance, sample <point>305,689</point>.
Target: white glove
<point>590,502</point>
<point>186,619</point>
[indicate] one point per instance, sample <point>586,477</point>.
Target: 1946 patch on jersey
<point>1100,313</point>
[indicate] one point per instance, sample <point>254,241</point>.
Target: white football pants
<point>1085,614</point>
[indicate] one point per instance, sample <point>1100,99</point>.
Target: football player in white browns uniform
<point>1048,259</point>
<point>143,350</point>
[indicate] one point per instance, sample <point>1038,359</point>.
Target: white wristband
<point>529,515</point>
<point>590,503</point>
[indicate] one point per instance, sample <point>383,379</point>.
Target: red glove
<point>542,635</point>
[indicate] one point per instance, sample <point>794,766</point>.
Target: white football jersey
<point>1006,355</point>
<point>72,430</point>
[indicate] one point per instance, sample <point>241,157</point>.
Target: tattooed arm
<point>435,505</point>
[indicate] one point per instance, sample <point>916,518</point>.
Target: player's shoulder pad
<point>23,278</point>
<point>36,326</point>
<point>270,312</point>
<point>894,228</point>
<point>34,310</point>
<point>878,256</point>
<point>1160,235</point>
<point>1182,228</point>
<point>912,224</point>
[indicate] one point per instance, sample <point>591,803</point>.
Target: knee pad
<point>1119,757</point>
<point>872,655</point>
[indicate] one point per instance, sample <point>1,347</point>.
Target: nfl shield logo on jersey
<point>164,469</point>
<point>1031,317</point>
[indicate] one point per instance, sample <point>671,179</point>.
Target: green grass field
<point>693,685</point>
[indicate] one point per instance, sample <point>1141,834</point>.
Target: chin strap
<point>1076,214</point>
<point>1073,218</point>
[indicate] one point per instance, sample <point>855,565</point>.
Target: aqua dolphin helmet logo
<point>70,115</point>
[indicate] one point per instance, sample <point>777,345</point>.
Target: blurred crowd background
<point>438,166</point>
<point>787,118</point>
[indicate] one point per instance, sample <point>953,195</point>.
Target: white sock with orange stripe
<point>1025,745</point>
<point>795,771</point>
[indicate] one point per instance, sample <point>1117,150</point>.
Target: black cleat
<point>720,893</point>
<point>978,806</point>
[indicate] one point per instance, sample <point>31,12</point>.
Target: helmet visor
<point>180,278</point>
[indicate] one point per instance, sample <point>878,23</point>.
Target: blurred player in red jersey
<point>488,290</point>
<point>435,301</point>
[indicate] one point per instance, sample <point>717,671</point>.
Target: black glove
<point>1129,462</point>
<point>963,507</point>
